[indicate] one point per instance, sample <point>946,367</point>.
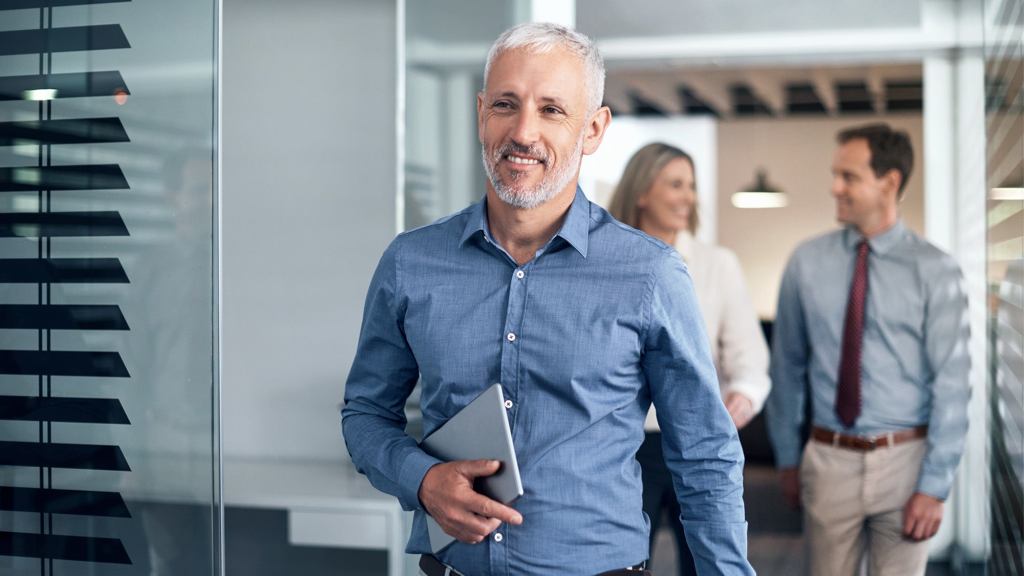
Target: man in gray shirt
<point>872,321</point>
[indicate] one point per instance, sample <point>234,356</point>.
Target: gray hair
<point>542,37</point>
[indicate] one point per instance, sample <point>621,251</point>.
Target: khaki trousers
<point>853,503</point>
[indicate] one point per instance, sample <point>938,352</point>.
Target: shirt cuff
<point>410,477</point>
<point>785,458</point>
<point>755,393</point>
<point>936,486</point>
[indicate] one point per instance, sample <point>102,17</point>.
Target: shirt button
<point>511,337</point>
<point>520,274</point>
<point>498,537</point>
<point>508,403</point>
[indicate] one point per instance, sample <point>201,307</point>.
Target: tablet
<point>480,431</point>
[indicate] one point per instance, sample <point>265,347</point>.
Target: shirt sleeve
<point>699,441</point>
<point>790,354</point>
<point>743,354</point>
<point>946,333</point>
<point>382,377</point>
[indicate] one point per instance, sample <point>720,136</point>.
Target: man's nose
<point>526,130</point>
<point>837,187</point>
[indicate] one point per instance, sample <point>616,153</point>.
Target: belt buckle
<point>871,443</point>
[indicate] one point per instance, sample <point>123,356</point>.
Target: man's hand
<point>921,517</point>
<point>447,494</point>
<point>740,408</point>
<point>789,480</point>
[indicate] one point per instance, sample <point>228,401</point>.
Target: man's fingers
<point>488,508</point>
<point>477,468</point>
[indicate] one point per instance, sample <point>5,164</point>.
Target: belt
<point>867,444</point>
<point>433,567</point>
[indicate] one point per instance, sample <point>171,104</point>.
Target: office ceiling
<point>766,92</point>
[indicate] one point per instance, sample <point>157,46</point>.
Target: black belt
<point>433,567</point>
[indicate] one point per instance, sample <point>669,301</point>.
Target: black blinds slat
<point>78,456</point>
<point>24,4</point>
<point>69,85</point>
<point>62,317</point>
<point>77,177</point>
<point>62,363</point>
<point>53,224</point>
<point>61,271</point>
<point>71,39</point>
<point>63,409</point>
<point>76,502</point>
<point>81,548</point>
<point>75,131</point>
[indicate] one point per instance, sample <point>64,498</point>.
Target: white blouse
<point>737,344</point>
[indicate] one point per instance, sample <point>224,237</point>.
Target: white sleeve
<point>742,352</point>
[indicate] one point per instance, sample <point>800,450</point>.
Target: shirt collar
<point>575,229</point>
<point>881,243</point>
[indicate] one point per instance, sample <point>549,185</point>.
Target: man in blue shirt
<point>584,321</point>
<point>874,319</point>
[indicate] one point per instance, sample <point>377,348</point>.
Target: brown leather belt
<point>866,444</point>
<point>433,567</point>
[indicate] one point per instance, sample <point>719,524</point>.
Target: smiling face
<point>665,209</point>
<point>534,126</point>
<point>863,200</point>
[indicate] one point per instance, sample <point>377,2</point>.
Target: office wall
<point>309,177</point>
<point>797,153</point>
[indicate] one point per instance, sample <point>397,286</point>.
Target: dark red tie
<point>848,392</point>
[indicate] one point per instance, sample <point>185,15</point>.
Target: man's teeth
<point>518,160</point>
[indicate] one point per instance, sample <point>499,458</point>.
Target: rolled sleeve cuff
<point>410,477</point>
<point>754,391</point>
<point>935,485</point>
<point>719,547</point>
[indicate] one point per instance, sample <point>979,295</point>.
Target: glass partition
<point>108,421</point>
<point>446,47</point>
<point>1004,90</point>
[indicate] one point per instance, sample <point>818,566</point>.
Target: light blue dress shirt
<point>599,323</point>
<point>914,360</point>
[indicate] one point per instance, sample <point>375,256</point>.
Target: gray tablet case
<point>478,431</point>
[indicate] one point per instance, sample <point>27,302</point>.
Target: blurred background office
<point>264,153</point>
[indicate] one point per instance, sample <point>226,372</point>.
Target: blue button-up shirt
<point>604,320</point>
<point>914,357</point>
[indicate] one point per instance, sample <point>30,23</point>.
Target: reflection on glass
<point>107,420</point>
<point>446,46</point>
<point>1004,94</point>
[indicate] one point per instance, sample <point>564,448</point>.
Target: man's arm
<point>946,334</point>
<point>383,375</point>
<point>784,410</point>
<point>700,443</point>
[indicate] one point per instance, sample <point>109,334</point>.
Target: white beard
<point>550,185</point>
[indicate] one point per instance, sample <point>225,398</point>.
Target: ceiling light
<point>1007,193</point>
<point>760,194</point>
<point>39,95</point>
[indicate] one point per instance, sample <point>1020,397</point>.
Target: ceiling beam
<point>825,88</point>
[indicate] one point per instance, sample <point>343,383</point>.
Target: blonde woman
<point>657,194</point>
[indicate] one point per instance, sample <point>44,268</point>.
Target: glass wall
<point>108,420</point>
<point>1004,88</point>
<point>446,47</point>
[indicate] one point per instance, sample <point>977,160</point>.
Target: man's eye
<point>502,105</point>
<point>552,110</point>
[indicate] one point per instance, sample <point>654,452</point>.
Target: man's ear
<point>595,128</point>
<point>480,116</point>
<point>892,181</point>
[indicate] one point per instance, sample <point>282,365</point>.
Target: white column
<point>972,487</point>
<point>954,172</point>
